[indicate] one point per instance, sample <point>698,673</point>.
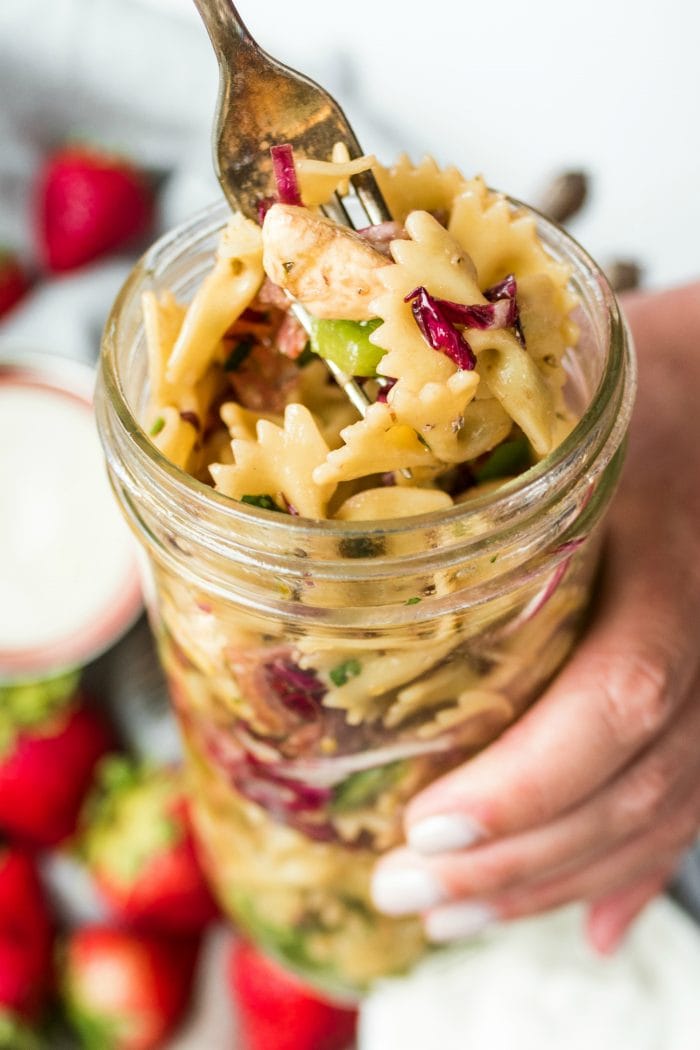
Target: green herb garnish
<point>157,426</point>
<point>344,672</point>
<point>238,355</point>
<point>412,601</point>
<point>306,356</point>
<point>263,501</point>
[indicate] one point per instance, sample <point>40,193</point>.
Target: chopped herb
<point>412,601</point>
<point>492,560</point>
<point>361,547</point>
<point>238,355</point>
<point>263,501</point>
<point>306,356</point>
<point>157,426</point>
<point>344,672</point>
<point>288,266</point>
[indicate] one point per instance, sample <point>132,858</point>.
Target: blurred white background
<point>516,91</point>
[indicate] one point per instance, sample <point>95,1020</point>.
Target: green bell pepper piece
<point>347,344</point>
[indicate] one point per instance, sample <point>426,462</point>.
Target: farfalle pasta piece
<point>468,705</point>
<point>363,697</point>
<point>173,436</point>
<point>424,186</point>
<point>514,378</point>
<point>392,502</point>
<point>280,463</point>
<point>223,295</point>
<point>437,412</point>
<point>162,320</point>
<point>441,687</point>
<point>374,445</point>
<point>242,422</point>
<point>434,259</point>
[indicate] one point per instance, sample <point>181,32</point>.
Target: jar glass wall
<point>322,672</point>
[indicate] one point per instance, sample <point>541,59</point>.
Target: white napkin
<point>535,985</point>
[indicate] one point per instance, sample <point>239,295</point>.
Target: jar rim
<point>618,376</point>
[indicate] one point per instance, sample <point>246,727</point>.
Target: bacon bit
<point>256,316</point>
<point>271,294</point>
<point>265,380</point>
<point>381,235</point>
<point>291,337</point>
<point>192,418</point>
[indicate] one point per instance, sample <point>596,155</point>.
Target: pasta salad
<point>453,318</point>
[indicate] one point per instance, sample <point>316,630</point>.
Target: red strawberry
<point>126,991</point>
<point>49,746</point>
<point>26,938</point>
<point>277,1012</point>
<point>14,281</point>
<point>89,202</point>
<point>139,848</point>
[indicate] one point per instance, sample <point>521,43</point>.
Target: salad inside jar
<point>306,739</point>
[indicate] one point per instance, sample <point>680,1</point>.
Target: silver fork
<point>263,103</point>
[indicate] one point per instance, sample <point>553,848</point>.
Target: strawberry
<point>139,848</point>
<point>125,990</point>
<point>14,281</point>
<point>26,940</point>
<point>49,746</point>
<point>89,202</point>
<point>277,1012</point>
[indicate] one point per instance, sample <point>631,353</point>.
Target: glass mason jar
<point>323,671</point>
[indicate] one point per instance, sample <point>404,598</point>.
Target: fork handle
<point>224,25</point>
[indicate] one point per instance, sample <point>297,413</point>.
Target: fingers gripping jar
<point>322,672</point>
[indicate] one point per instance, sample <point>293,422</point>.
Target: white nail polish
<point>401,891</point>
<point>444,833</point>
<point>455,921</point>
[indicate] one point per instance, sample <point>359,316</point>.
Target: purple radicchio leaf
<point>298,690</point>
<point>285,174</point>
<point>507,289</point>
<point>438,331</point>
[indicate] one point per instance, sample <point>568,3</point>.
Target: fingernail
<point>444,833</point>
<point>401,891</point>
<point>455,921</point>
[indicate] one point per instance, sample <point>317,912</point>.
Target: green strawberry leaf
<point>24,705</point>
<point>15,1034</point>
<point>128,818</point>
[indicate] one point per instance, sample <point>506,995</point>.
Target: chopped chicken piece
<point>328,268</point>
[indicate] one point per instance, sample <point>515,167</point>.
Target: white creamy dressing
<point>535,985</point>
<point>66,560</point>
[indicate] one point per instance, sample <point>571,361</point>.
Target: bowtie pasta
<point>305,744</point>
<point>453,318</point>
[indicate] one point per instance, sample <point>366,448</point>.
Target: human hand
<point>594,794</point>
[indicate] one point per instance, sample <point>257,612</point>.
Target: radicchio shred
<point>438,331</point>
<point>285,174</point>
<point>300,691</point>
